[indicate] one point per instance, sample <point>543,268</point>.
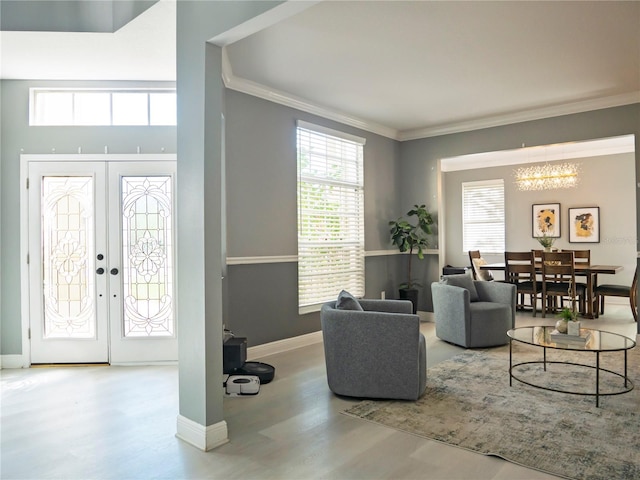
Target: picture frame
<point>584,225</point>
<point>545,220</point>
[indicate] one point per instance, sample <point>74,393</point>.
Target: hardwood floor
<point>120,423</point>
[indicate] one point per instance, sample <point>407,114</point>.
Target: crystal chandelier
<point>547,176</point>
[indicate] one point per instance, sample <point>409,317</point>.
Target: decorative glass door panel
<point>101,269</point>
<point>67,241</point>
<point>147,230</point>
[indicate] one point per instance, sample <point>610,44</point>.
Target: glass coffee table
<point>598,342</point>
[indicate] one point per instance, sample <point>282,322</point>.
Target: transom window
<point>330,215</point>
<point>60,107</point>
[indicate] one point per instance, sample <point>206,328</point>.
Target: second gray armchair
<point>473,314</point>
<point>374,349</point>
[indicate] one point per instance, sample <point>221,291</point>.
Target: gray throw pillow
<point>346,301</point>
<point>464,281</point>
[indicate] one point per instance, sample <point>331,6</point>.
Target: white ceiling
<point>144,49</point>
<point>403,69</point>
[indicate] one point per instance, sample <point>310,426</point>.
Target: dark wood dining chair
<point>520,270</point>
<point>559,281</point>
<point>582,258</point>
<point>612,290</point>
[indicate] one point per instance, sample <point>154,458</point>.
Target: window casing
<point>483,225</point>
<point>330,215</point>
<point>102,107</point>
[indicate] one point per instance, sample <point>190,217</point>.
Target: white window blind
<point>330,215</point>
<point>483,216</point>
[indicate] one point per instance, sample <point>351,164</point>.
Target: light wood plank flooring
<point>120,423</point>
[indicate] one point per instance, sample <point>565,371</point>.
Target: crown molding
<point>257,90</point>
<point>277,96</point>
<point>523,116</point>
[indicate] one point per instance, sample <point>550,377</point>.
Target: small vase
<point>561,326</point>
<point>573,328</point>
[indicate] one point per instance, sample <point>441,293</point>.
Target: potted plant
<point>408,236</point>
<point>546,242</point>
<point>568,322</point>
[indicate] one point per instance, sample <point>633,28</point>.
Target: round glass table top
<point>593,340</point>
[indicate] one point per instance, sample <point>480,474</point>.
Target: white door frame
<point>24,221</point>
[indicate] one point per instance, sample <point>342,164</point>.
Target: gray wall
<point>261,198</point>
<point>419,157</point>
<point>607,182</point>
<point>18,137</point>
<point>262,217</point>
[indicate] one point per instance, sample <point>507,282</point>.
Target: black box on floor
<point>449,270</point>
<point>234,354</point>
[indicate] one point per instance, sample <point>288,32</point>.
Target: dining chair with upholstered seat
<point>520,270</point>
<point>559,280</point>
<point>612,290</point>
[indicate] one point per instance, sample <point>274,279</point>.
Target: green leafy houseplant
<point>568,315</point>
<point>545,241</point>
<point>409,236</point>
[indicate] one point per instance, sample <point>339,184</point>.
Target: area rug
<point>469,404</point>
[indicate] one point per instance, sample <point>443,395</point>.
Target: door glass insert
<point>147,256</point>
<point>68,243</point>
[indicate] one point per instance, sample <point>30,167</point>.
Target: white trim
<point>96,157</point>
<point>204,438</point>
<point>542,153</point>
<point>262,21</point>
<point>265,259</point>
<point>277,96</point>
<point>283,98</point>
<point>262,259</point>
<point>523,116</point>
<point>13,361</point>
<point>285,345</point>
<point>383,253</point>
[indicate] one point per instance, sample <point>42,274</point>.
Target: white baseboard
<point>285,345</point>
<point>204,438</point>
<point>12,361</point>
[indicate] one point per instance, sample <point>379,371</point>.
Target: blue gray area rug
<point>469,404</point>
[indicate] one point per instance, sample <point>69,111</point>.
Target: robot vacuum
<point>263,371</point>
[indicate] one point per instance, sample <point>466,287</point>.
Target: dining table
<point>590,272</point>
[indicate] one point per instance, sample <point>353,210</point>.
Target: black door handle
<point>100,256</point>
<point>100,271</point>
<point>114,271</point>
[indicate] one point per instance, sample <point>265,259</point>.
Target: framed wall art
<point>584,225</point>
<point>546,220</point>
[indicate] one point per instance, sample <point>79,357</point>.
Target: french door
<point>101,262</point>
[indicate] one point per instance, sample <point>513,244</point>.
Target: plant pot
<point>573,328</point>
<point>561,326</point>
<point>410,294</point>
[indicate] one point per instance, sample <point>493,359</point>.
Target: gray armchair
<point>375,353</point>
<point>473,314</point>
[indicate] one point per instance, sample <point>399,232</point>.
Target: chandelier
<point>547,176</point>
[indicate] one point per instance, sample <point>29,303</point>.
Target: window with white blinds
<point>483,216</point>
<point>330,215</point>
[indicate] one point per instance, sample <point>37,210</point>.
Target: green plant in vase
<point>546,242</point>
<point>410,237</point>
<point>566,316</point>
